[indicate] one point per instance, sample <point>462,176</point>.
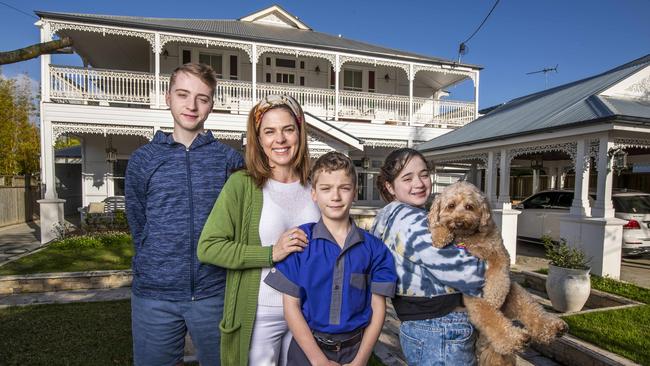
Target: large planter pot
<point>568,289</point>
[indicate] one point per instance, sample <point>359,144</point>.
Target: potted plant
<point>568,284</point>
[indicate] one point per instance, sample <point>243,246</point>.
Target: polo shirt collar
<point>355,235</point>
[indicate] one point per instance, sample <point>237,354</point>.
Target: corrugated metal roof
<point>554,108</point>
<point>250,32</point>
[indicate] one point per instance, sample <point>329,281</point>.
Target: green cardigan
<point>231,239</point>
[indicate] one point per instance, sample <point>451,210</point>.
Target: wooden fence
<point>18,196</point>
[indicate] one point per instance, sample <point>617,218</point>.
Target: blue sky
<point>583,37</point>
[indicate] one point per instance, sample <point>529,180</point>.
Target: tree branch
<point>33,51</point>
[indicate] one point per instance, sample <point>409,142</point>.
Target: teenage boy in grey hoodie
<point>171,185</point>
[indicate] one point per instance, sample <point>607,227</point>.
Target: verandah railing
<point>83,85</point>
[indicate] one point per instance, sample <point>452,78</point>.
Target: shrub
<point>102,222</point>
<point>91,241</point>
<point>562,255</point>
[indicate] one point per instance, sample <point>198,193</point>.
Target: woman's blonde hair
<point>257,163</point>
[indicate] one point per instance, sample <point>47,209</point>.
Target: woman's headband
<point>274,100</point>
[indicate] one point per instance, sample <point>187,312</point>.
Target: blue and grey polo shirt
<point>335,284</point>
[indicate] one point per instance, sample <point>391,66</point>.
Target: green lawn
<point>624,332</point>
<point>70,334</point>
<point>90,253</point>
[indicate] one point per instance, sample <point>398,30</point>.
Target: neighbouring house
<point>598,125</point>
<point>361,99</point>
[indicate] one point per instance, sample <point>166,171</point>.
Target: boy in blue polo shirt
<point>334,290</point>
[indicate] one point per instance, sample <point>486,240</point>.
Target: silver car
<point>541,214</point>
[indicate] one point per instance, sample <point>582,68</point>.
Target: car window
<point>632,204</point>
<point>541,200</point>
<point>564,200</point>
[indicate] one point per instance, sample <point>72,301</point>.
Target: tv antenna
<point>545,70</point>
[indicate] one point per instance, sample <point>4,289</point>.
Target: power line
<point>18,10</point>
<point>462,48</point>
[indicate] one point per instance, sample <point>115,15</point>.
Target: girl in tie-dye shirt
<point>435,328</point>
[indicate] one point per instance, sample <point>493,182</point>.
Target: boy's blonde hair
<point>333,161</point>
<point>202,71</point>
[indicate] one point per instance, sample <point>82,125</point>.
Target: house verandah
<point>361,99</point>
<point>600,124</point>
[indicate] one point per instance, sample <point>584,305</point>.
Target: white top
<point>285,205</point>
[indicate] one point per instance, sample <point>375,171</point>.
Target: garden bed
<point>616,327</point>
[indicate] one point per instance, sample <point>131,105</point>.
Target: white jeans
<point>271,337</point>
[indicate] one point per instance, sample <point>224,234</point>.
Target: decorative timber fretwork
<point>594,148</point>
<point>296,52</point>
<point>626,143</point>
<point>207,42</point>
<point>570,148</point>
<point>372,61</point>
<point>640,90</point>
<point>483,157</point>
<point>56,26</point>
<point>228,135</point>
<point>385,143</point>
<point>59,129</point>
<point>443,70</point>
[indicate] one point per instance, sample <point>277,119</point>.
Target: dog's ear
<point>486,223</point>
<point>440,234</point>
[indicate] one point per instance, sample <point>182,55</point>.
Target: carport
<point>600,124</point>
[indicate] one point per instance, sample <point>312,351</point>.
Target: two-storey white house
<point>361,99</point>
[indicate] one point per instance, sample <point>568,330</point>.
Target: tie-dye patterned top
<point>423,270</point>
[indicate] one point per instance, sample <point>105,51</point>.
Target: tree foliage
<point>19,137</point>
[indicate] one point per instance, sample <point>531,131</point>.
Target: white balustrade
<point>112,86</point>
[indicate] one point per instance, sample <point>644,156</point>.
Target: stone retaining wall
<point>47,282</point>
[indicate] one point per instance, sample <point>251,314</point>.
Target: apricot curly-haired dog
<point>461,214</point>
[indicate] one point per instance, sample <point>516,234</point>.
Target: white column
<point>479,179</point>
<point>51,208</point>
<point>491,171</point>
<point>504,180</point>
<point>46,36</point>
<point>561,177</point>
<point>157,51</point>
<point>580,206</point>
<point>603,206</point>
<point>552,184</point>
<point>337,68</point>
<point>535,181</point>
<point>254,74</point>
<point>411,78</point>
<point>476,80</point>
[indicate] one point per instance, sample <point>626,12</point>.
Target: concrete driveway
<point>17,240</point>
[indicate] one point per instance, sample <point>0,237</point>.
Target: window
<point>233,67</point>
<point>119,172</point>
<point>213,60</point>
<point>302,81</point>
<point>302,64</point>
<point>187,56</point>
<point>542,200</point>
<point>284,78</point>
<point>268,61</point>
<point>352,80</point>
<point>371,81</point>
<point>332,77</point>
<point>284,62</point>
<point>268,77</point>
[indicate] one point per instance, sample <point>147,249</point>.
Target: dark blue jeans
<point>444,341</point>
<point>159,329</point>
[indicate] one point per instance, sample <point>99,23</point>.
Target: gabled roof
<point>564,106</point>
<point>251,31</point>
<point>275,15</point>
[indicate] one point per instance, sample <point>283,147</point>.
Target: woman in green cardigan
<point>254,224</point>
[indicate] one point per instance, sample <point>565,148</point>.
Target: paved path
<point>18,240</point>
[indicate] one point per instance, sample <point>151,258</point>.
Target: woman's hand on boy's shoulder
<point>292,240</point>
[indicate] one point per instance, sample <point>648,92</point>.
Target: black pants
<point>296,357</point>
